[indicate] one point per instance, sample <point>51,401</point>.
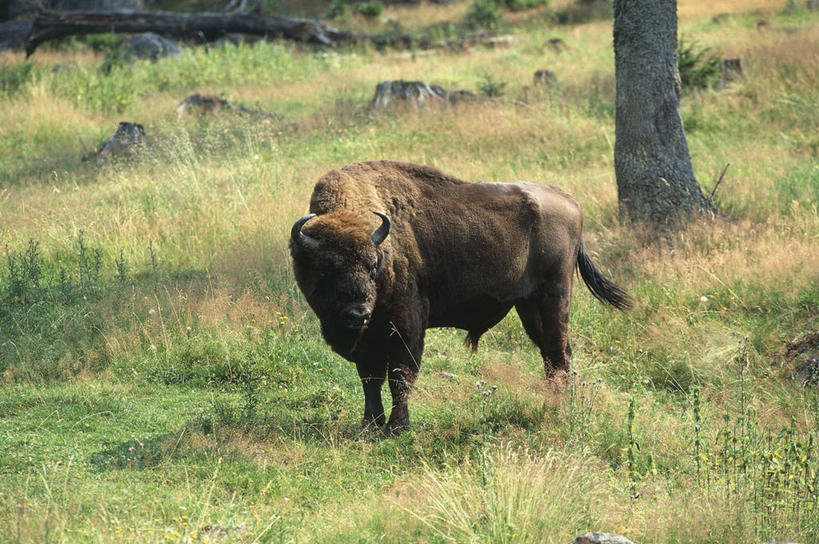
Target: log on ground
<point>50,25</point>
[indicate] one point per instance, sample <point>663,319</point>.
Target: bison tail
<point>600,286</point>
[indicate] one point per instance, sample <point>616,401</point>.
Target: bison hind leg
<point>472,339</point>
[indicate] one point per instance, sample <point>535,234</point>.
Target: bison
<point>390,249</point>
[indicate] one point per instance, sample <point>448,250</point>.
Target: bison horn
<point>383,231</point>
<point>297,235</point>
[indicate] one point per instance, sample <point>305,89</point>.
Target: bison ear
<point>299,237</point>
<point>383,231</point>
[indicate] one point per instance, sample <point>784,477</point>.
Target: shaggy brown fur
<point>459,254</point>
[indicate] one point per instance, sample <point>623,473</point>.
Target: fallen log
<point>50,25</point>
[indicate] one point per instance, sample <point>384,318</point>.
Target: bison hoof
<point>371,425</point>
<point>394,428</point>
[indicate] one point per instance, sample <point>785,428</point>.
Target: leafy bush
<point>483,14</point>
<point>336,9</point>
<point>14,75</point>
<point>370,9</point>
<point>491,87</point>
<point>523,5</point>
<point>698,70</point>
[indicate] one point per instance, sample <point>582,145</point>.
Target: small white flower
<point>703,299</point>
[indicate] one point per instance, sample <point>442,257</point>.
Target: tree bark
<point>655,180</point>
<point>49,25</point>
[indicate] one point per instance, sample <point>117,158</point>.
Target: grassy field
<point>163,380</point>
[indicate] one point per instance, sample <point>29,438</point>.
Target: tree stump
<point>415,93</point>
<point>127,141</point>
<point>546,78</point>
<point>601,538</point>
<point>732,69</point>
<point>556,44</point>
<point>205,104</point>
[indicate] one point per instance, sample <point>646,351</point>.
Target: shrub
<point>15,75</point>
<point>483,14</point>
<point>336,9</point>
<point>698,70</point>
<point>370,9</point>
<point>491,87</point>
<point>523,5</point>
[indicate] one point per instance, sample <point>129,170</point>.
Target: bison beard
<point>391,249</point>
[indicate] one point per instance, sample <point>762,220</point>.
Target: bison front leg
<point>371,380</point>
<point>405,361</point>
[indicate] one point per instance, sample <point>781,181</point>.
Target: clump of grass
<point>511,495</point>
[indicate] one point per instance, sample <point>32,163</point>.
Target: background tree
<point>655,180</point>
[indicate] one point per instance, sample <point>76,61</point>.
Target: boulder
<point>13,34</point>
<point>148,45</point>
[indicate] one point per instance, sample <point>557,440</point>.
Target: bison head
<point>338,259</point>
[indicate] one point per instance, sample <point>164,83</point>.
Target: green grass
<point>162,379</point>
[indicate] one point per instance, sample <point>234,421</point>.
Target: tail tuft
<point>600,286</point>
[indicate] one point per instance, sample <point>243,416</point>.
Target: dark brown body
<point>457,254</point>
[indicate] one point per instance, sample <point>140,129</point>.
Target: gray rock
<point>601,538</point>
<point>13,34</point>
<point>148,45</point>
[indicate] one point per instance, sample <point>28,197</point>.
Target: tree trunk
<point>655,180</point>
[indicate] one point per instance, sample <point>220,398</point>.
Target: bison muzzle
<point>391,249</point>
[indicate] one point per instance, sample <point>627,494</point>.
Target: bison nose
<point>357,315</point>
